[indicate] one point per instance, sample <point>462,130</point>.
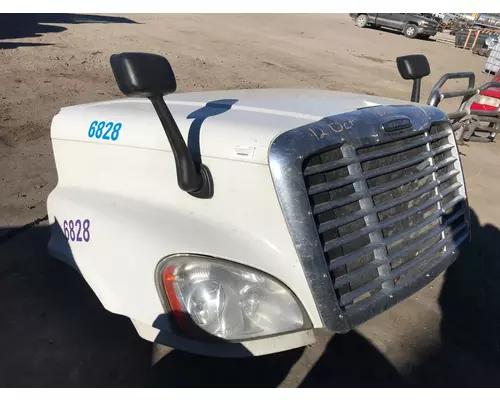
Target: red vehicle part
<point>488,99</point>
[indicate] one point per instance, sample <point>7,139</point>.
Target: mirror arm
<point>415,93</point>
<point>196,180</point>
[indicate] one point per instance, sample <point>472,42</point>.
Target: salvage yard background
<point>53,330</point>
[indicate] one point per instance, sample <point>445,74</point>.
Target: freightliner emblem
<point>397,124</point>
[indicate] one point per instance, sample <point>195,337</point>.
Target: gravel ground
<point>54,332</point>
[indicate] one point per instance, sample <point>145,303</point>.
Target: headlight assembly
<point>228,300</point>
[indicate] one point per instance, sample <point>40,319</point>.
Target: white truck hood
<point>231,124</point>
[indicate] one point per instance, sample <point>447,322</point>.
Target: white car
<point>234,223</point>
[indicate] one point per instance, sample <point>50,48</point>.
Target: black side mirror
<point>143,74</point>
<point>151,76</point>
<point>414,67</point>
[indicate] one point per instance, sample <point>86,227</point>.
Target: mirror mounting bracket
<point>151,76</point>
<point>193,179</point>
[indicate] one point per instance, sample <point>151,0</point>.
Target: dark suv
<point>412,25</point>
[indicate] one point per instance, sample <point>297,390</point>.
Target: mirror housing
<point>143,74</point>
<point>151,76</point>
<point>414,67</point>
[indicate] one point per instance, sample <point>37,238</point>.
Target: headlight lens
<point>487,100</point>
<point>228,300</point>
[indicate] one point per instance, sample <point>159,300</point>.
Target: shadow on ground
<point>348,361</point>
<point>20,26</point>
<point>55,332</point>
<point>469,355</point>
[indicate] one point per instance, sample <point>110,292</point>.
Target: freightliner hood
<point>231,124</point>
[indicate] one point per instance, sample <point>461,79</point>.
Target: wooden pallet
<point>490,31</point>
<point>473,35</point>
<point>446,41</point>
<point>471,39</point>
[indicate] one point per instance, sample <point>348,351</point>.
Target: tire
<point>410,31</point>
<point>362,20</point>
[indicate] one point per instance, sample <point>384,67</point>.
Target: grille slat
<point>345,279</point>
<point>448,176</point>
<point>343,221</point>
<point>455,186</point>
<point>430,252</point>
<point>377,226</point>
<point>365,269</point>
<point>409,146</point>
<point>417,243</point>
<point>358,292</point>
<point>446,162</point>
<point>365,231</point>
<point>351,296</point>
<point>339,262</point>
<point>384,209</point>
<point>415,228</point>
<point>323,187</point>
<point>407,163</point>
<point>316,169</point>
<point>321,208</point>
<point>453,203</point>
<point>403,181</point>
<point>335,223</point>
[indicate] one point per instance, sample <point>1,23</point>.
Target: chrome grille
<point>383,210</point>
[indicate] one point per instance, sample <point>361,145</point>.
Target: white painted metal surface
<point>127,190</point>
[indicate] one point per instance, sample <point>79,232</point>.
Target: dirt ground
<point>53,330</point>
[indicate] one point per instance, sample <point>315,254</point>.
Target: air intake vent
<point>382,211</point>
